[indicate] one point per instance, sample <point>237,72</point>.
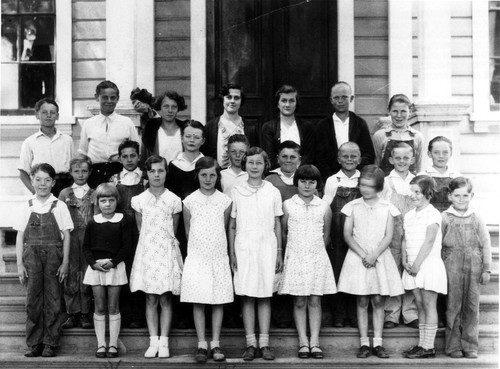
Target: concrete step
<point>334,341</point>
<point>342,361</point>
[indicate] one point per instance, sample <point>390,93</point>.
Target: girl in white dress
<point>255,248</point>
<point>369,269</point>
<point>157,266</point>
<point>424,273</point>
<point>206,278</point>
<point>307,271</point>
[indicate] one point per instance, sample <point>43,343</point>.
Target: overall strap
<point>52,207</point>
<point>30,203</point>
<point>118,179</point>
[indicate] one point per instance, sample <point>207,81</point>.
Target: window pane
<point>37,82</point>
<point>38,38</point>
<point>9,6</point>
<point>10,82</point>
<point>36,6</point>
<point>9,38</point>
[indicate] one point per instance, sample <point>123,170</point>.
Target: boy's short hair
<point>400,98</point>
<point>427,185</point>
<point>255,150</point>
<point>402,145</point>
<point>43,167</point>
<point>224,91</point>
<point>194,124</point>
<point>128,144</point>
<point>308,172</point>
<point>460,182</point>
<point>288,89</point>
<point>79,160</point>
<point>439,139</point>
<point>45,100</point>
<point>289,144</point>
<point>349,145</point>
<point>104,85</point>
<point>107,190</point>
<point>153,159</point>
<point>373,172</point>
<point>173,95</point>
<point>238,137</point>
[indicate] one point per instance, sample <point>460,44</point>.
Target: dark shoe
<point>338,323</point>
<point>71,322</point>
<point>101,352</point>
<point>267,354</point>
<point>441,324</point>
<point>201,356</point>
<point>380,352</point>
<point>35,351</point>
<point>112,352</point>
<point>136,324</point>
<point>86,322</point>
<point>304,352</point>
<point>49,351</point>
<point>412,350</point>
<point>389,325</point>
<point>218,354</point>
<point>353,323</point>
<point>456,354</point>
<point>422,354</point>
<point>364,352</point>
<point>470,354</point>
<point>316,352</point>
<point>413,324</point>
<point>249,353</point>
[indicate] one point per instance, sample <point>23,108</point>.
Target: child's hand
<point>62,272</point>
<point>107,264</point>
<point>370,259</point>
<point>279,263</point>
<point>233,263</point>
<point>23,274</point>
<point>414,269</point>
<point>97,266</point>
<point>485,278</point>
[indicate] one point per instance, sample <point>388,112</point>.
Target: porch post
<point>198,60</point>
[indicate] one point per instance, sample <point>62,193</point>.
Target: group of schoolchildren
<point>372,235</point>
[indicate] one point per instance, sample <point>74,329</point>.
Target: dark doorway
<point>262,44</point>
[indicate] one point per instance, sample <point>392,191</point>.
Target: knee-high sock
<point>115,322</point>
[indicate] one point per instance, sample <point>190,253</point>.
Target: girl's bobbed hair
<point>427,185</point>
<point>460,182</point>
<point>208,162</point>
<point>255,150</point>
<point>373,172</point>
<point>308,172</point>
<point>193,124</point>
<point>155,159</point>
<point>107,190</point>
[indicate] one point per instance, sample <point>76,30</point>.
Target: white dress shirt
<point>341,129</point>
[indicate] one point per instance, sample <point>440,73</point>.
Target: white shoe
<point>153,348</point>
<point>163,350</point>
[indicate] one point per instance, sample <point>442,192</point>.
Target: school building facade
<point>443,54</point>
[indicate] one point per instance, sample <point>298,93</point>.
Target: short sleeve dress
<point>307,269</point>
<point>432,273</point>
<point>369,229</point>
<point>206,277</point>
<point>157,266</point>
<point>255,210</point>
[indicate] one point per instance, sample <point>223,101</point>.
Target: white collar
<point>433,172</point>
<point>181,157</point>
<point>341,174</point>
<point>85,187</point>
<point>394,174</point>
<point>315,201</point>
<point>390,128</point>
<point>231,170</point>
<point>283,176</point>
<point>338,120</point>
<point>136,171</point>
<point>111,117</point>
<point>49,200</point>
<point>116,218</point>
<point>452,210</point>
<point>57,134</point>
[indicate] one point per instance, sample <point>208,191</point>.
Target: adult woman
<point>162,136</point>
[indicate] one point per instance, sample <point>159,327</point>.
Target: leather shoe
<point>380,352</point>
<point>49,351</point>
<point>390,325</point>
<point>413,324</point>
<point>249,353</point>
<point>456,354</point>
<point>35,351</point>
<point>364,352</point>
<point>267,354</point>
<point>470,354</point>
<point>71,322</point>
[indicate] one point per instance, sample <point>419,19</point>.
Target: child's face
<point>440,154</point>
<point>107,205</point>
<point>307,187</point>
<point>401,158</point>
<point>47,115</point>
<point>399,114</point>
<point>288,160</point>
<point>42,183</point>
<point>349,158</point>
<point>232,101</point>
<point>460,199</point>
<point>255,166</point>
<point>207,178</point>
<point>169,109</point>
<point>129,158</point>
<point>236,152</point>
<point>417,197</point>
<point>192,139</point>
<point>157,175</point>
<point>367,188</point>
<point>80,173</point>
<point>107,98</point>
<point>287,104</point>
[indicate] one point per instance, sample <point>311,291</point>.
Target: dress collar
<point>452,210</point>
<point>315,201</point>
<point>116,218</point>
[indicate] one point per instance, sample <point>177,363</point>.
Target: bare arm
<point>62,271</point>
<point>232,237</point>
<point>284,227</point>
<point>349,239</point>
<point>21,270</point>
<point>186,214</point>
<point>138,220</point>
<point>371,259</point>
<point>277,233</point>
<point>176,218</point>
<point>327,220</point>
<point>430,236</point>
<point>25,178</point>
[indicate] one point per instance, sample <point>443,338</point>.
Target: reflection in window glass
<point>9,39</point>
<point>36,6</point>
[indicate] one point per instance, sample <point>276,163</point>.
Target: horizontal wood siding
<point>371,59</point>
<point>172,49</point>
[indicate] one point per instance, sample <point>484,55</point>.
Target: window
<point>28,54</point>
<point>494,15</point>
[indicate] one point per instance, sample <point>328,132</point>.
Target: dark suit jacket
<point>209,148</point>
<point>271,140</point>
<point>325,157</point>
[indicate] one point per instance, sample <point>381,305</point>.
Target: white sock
<point>251,340</point>
<point>214,344</point>
<point>100,329</point>
<point>421,334</point>
<point>365,341</point>
<point>115,322</point>
<point>430,335</point>
<point>377,341</point>
<point>303,341</point>
<point>203,345</point>
<point>263,340</point>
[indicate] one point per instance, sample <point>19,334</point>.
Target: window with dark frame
<point>494,16</point>
<point>28,54</point>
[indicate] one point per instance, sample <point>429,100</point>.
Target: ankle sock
<point>263,340</point>
<point>251,340</point>
<point>365,341</point>
<point>377,341</point>
<point>421,334</point>
<point>214,344</point>
<point>429,336</point>
<point>203,345</point>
